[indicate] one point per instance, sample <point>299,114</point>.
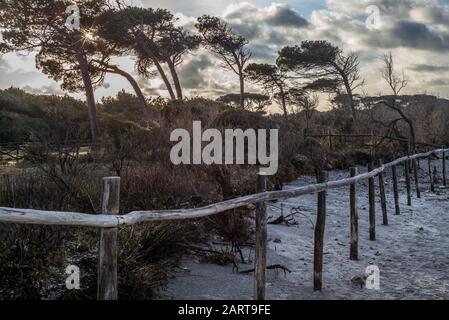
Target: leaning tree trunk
<point>165,79</point>
<point>175,78</point>
<point>146,110</point>
<point>349,92</point>
<point>412,143</point>
<point>159,68</point>
<point>90,98</point>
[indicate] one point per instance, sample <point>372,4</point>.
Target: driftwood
<point>288,220</point>
<point>270,267</point>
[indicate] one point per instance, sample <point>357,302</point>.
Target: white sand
<point>412,252</point>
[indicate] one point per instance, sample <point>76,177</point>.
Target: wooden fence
<point>373,140</point>
<point>14,152</point>
<point>109,219</point>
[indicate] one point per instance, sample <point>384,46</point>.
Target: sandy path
<point>412,253</point>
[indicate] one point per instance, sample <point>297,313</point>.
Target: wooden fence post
<point>107,258</point>
<point>319,235</point>
<point>415,173</point>
<point>261,242</point>
<point>354,232</point>
<point>429,163</point>
<point>373,145</point>
<point>395,190</point>
<point>435,175</point>
<point>372,205</point>
<point>383,198</point>
<point>443,159</point>
<point>407,182</point>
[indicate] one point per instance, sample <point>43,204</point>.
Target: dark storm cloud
<point>409,34</point>
<point>419,36</point>
<point>254,23</point>
<point>248,31</point>
<point>277,38</point>
<point>287,17</point>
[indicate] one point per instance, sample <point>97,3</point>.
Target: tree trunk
<point>90,98</point>
<point>409,122</point>
<point>242,89</point>
<point>351,101</point>
<point>175,78</point>
<point>159,68</point>
<point>284,104</point>
<point>349,93</point>
<point>143,102</point>
<point>165,79</point>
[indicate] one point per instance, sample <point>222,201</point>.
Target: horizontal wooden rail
<point>29,216</point>
<point>334,135</point>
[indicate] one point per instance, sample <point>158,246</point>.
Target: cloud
<point>191,8</point>
<point>15,77</point>
<point>284,16</point>
<point>415,31</point>
<point>263,52</point>
<point>46,90</point>
<point>149,88</point>
<point>193,72</point>
<point>438,82</point>
<point>417,35</point>
<point>430,68</point>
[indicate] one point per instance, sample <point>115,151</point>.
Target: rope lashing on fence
<point>30,216</point>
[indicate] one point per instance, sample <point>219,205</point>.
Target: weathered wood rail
<point>332,136</point>
<point>373,140</point>
<point>15,151</point>
<point>109,219</point>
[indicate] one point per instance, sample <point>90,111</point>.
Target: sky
<point>416,32</point>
